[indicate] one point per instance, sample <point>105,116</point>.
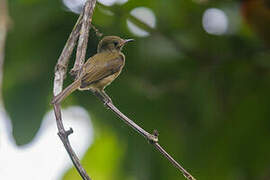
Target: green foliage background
<point>207,95</point>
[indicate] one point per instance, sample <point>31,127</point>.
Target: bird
<point>100,70</point>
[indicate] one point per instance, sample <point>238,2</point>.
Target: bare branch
<point>174,162</point>
<point>81,28</point>
<point>83,40</point>
<point>152,138</point>
<point>62,63</point>
<point>63,134</point>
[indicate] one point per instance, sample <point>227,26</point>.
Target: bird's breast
<point>95,77</point>
<point>105,81</point>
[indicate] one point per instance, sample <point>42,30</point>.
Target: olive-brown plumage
<point>99,70</point>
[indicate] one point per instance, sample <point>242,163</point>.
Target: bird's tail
<point>67,91</point>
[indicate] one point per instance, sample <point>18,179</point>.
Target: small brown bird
<point>99,70</point>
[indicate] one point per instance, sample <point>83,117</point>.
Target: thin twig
<point>173,161</point>
<point>98,33</point>
<point>60,73</point>
<point>63,134</point>
<point>152,138</point>
<point>83,40</point>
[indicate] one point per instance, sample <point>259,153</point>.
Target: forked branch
<point>81,28</point>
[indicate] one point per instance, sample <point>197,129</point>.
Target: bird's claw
<point>107,101</point>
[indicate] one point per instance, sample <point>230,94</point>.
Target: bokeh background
<point>198,72</point>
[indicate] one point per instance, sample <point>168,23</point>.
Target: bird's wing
<point>97,69</point>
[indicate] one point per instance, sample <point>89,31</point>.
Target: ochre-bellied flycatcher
<point>99,70</point>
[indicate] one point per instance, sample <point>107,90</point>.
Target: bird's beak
<point>125,41</point>
<point>128,40</point>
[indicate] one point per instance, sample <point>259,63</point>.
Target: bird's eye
<point>115,43</point>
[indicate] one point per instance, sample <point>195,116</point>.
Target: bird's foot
<point>153,138</point>
<point>107,101</point>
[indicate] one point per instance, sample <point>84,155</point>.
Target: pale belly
<point>100,85</point>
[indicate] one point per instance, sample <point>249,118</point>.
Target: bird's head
<point>111,43</point>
